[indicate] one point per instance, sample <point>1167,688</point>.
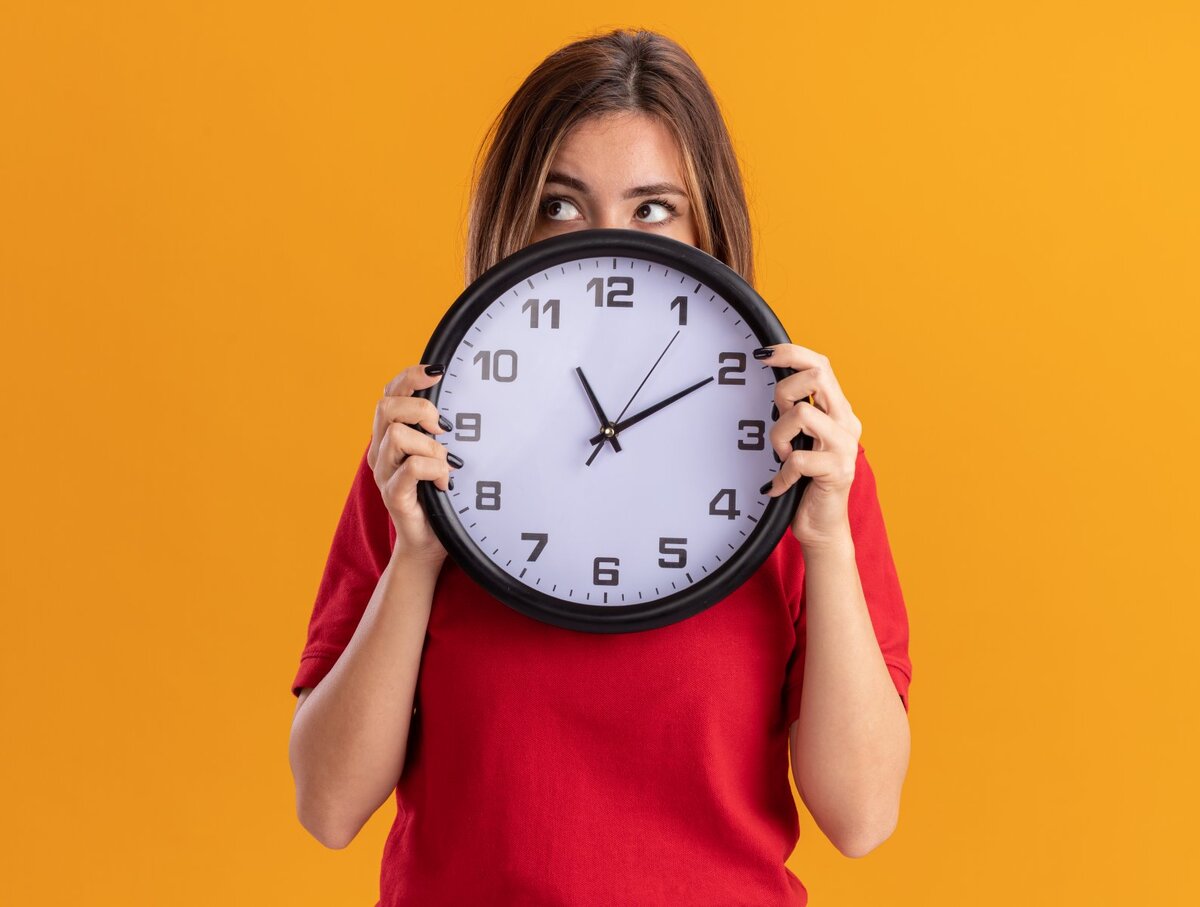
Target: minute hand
<point>650,410</point>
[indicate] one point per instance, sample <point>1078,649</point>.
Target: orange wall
<point>224,226</point>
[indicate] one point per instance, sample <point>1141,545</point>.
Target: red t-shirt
<point>550,766</point>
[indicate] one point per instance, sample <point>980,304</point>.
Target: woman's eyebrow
<point>555,176</point>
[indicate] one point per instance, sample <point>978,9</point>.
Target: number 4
<point>731,512</point>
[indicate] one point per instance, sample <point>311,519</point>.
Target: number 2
<point>614,280</point>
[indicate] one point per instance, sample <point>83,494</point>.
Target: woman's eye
<point>553,207</point>
<point>667,210</point>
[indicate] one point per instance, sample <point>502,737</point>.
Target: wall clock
<point>612,422</point>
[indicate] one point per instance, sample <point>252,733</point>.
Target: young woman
<point>537,765</point>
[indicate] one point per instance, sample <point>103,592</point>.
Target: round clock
<point>612,423</point>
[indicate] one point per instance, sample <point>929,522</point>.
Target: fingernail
<point>766,487</point>
<point>774,413</point>
<point>434,369</point>
<point>444,423</point>
<point>454,460</point>
<point>450,484</point>
<point>763,352</point>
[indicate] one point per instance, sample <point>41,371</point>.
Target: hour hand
<point>604,422</point>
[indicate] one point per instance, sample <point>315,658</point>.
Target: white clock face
<point>586,523</point>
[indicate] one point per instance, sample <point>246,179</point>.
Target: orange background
<point>224,226</point>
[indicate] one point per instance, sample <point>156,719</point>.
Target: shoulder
<point>863,473</point>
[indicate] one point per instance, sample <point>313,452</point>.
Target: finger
<point>827,393</point>
<point>400,491</point>
<point>399,442</point>
<point>413,378</point>
<point>812,463</point>
<point>818,386</point>
<point>789,355</point>
<point>403,407</point>
<point>826,433</point>
<point>412,411</point>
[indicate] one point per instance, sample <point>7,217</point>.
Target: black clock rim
<point>633,617</point>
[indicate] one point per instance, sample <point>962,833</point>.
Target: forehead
<point>619,150</point>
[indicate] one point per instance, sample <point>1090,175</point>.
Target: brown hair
<point>620,71</point>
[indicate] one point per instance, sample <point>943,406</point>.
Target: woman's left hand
<point>811,400</point>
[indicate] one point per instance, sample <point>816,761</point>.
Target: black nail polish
<point>766,487</point>
<point>450,484</point>
<point>454,460</point>
<point>434,369</point>
<point>774,413</point>
<point>763,352</point>
<point>444,424</point>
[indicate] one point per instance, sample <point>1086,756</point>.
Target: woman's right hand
<point>400,456</point>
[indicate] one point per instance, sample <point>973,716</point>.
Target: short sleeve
<point>358,555</point>
<point>881,589</point>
